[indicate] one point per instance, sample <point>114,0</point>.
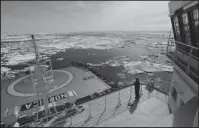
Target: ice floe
<point>19,52</point>
<point>17,59</point>
<point>4,50</point>
<point>5,70</point>
<point>60,59</point>
<point>91,53</point>
<point>136,66</point>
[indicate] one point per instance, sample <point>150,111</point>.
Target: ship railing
<point>185,57</point>
<point>102,108</point>
<point>109,107</point>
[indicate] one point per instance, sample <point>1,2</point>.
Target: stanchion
<point>105,104</point>
<point>103,111</point>
<point>141,92</point>
<point>157,93</point>
<point>119,100</point>
<point>71,120</point>
<point>130,93</point>
<point>90,115</point>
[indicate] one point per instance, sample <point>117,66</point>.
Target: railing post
<point>130,93</point>
<point>65,125</point>
<point>103,111</point>
<point>167,46</point>
<point>90,115</point>
<point>176,52</point>
<point>141,92</point>
<point>71,121</point>
<point>105,103</point>
<point>157,93</point>
<point>119,100</point>
<point>189,60</point>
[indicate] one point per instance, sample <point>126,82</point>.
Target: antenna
<point>42,72</point>
<point>35,50</point>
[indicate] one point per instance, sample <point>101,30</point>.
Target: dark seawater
<point>132,51</point>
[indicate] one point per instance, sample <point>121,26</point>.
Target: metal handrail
<point>190,52</point>
<point>187,45</point>
<point>64,110</point>
<point>72,116</point>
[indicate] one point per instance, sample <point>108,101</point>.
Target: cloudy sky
<point>75,16</point>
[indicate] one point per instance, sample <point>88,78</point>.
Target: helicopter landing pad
<point>73,82</point>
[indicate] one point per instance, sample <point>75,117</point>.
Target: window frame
<point>177,28</point>
<point>186,28</point>
<point>195,16</point>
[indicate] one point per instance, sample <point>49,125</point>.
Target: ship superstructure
<point>184,86</point>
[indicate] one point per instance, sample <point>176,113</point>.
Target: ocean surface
<point>101,53</point>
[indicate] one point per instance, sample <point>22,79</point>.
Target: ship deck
<point>77,85</point>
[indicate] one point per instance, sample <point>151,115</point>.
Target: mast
<point>45,94</point>
<point>35,50</point>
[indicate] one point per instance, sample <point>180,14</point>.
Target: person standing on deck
<point>137,88</point>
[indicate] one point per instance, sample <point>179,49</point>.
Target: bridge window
<point>177,29</point>
<point>195,18</point>
<point>186,28</point>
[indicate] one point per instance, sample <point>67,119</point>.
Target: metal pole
<point>157,93</point>
<point>188,66</point>
<point>105,103</point>
<point>90,115</point>
<point>33,81</point>
<point>37,107</point>
<point>103,111</point>
<point>35,48</point>
<point>130,93</point>
<point>119,100</point>
<point>168,42</point>
<point>37,62</point>
<point>141,92</point>
<point>71,122</point>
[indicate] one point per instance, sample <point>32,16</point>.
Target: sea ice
<point>4,50</point>
<point>5,70</point>
<point>14,60</point>
<point>60,59</point>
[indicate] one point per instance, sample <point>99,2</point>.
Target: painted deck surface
<point>147,114</point>
<point>78,85</point>
<point>150,110</point>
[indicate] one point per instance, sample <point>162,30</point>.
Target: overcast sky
<point>75,16</point>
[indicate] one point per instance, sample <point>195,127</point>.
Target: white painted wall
<point>184,91</point>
